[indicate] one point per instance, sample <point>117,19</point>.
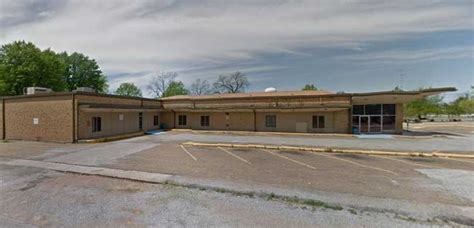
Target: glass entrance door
<point>364,124</point>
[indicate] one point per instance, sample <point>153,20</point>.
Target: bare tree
<point>200,87</point>
<point>233,83</point>
<point>160,82</point>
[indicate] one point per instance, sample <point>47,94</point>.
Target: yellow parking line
<point>191,155</point>
<point>287,158</point>
<point>406,162</point>
<point>232,154</point>
<point>355,163</point>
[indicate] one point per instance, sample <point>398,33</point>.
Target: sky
<point>350,46</point>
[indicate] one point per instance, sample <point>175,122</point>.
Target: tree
<point>422,107</point>
<point>200,87</point>
<point>309,87</point>
<point>81,71</point>
<point>233,83</point>
<point>397,89</point>
<point>175,88</point>
<point>160,83</point>
<point>128,89</point>
<point>467,105</point>
<point>22,65</point>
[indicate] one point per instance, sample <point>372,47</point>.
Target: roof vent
<point>35,90</point>
<point>270,89</point>
<point>85,89</point>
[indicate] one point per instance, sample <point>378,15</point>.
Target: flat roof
<point>52,94</point>
<point>307,93</point>
<point>278,94</point>
<point>299,93</point>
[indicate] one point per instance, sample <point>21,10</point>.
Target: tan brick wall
<point>54,116</point>
<point>234,121</point>
<point>112,125</point>
<point>335,122</point>
<point>1,119</point>
<point>107,100</point>
<point>399,118</point>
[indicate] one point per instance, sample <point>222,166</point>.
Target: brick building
<point>72,116</point>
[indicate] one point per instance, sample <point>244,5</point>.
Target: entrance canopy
<point>396,97</point>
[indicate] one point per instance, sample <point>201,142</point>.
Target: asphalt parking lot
<point>413,186</point>
<point>375,176</point>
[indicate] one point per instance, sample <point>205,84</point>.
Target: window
<point>140,121</point>
<point>389,109</point>
<point>156,121</point>
<point>375,109</point>
<point>358,110</point>
<point>321,122</point>
<point>270,121</point>
<point>205,121</point>
<point>318,122</point>
<point>182,120</point>
<point>96,124</point>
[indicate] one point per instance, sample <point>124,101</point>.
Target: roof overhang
<point>117,109</point>
<point>390,97</point>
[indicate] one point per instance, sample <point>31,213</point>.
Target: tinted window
<point>373,109</point>
<point>270,121</point>
<point>182,120</point>
<point>205,121</point>
<point>389,122</point>
<point>389,109</point>
<point>96,124</point>
<point>358,110</point>
<point>321,122</point>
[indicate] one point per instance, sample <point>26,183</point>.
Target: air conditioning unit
<point>36,90</point>
<point>85,89</point>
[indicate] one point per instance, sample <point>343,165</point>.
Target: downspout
<point>3,120</point>
<point>174,119</point>
<point>73,118</point>
<point>254,120</point>
<point>350,116</point>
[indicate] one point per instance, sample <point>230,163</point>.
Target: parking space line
<point>191,155</point>
<point>358,164</point>
<point>406,162</point>
<point>289,159</point>
<point>234,155</point>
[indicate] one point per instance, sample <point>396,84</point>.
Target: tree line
<point>22,65</point>
<point>434,105</point>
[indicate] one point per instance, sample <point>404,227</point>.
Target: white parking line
<point>289,159</point>
<point>232,154</point>
<point>191,155</point>
<point>454,159</point>
<point>406,162</point>
<point>355,163</point>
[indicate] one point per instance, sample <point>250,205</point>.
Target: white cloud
<point>411,56</point>
<point>148,36</point>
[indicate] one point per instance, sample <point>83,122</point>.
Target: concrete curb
<point>158,178</point>
<point>111,138</point>
<point>263,133</point>
<point>331,150</point>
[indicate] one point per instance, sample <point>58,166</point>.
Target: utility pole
<point>402,75</point>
